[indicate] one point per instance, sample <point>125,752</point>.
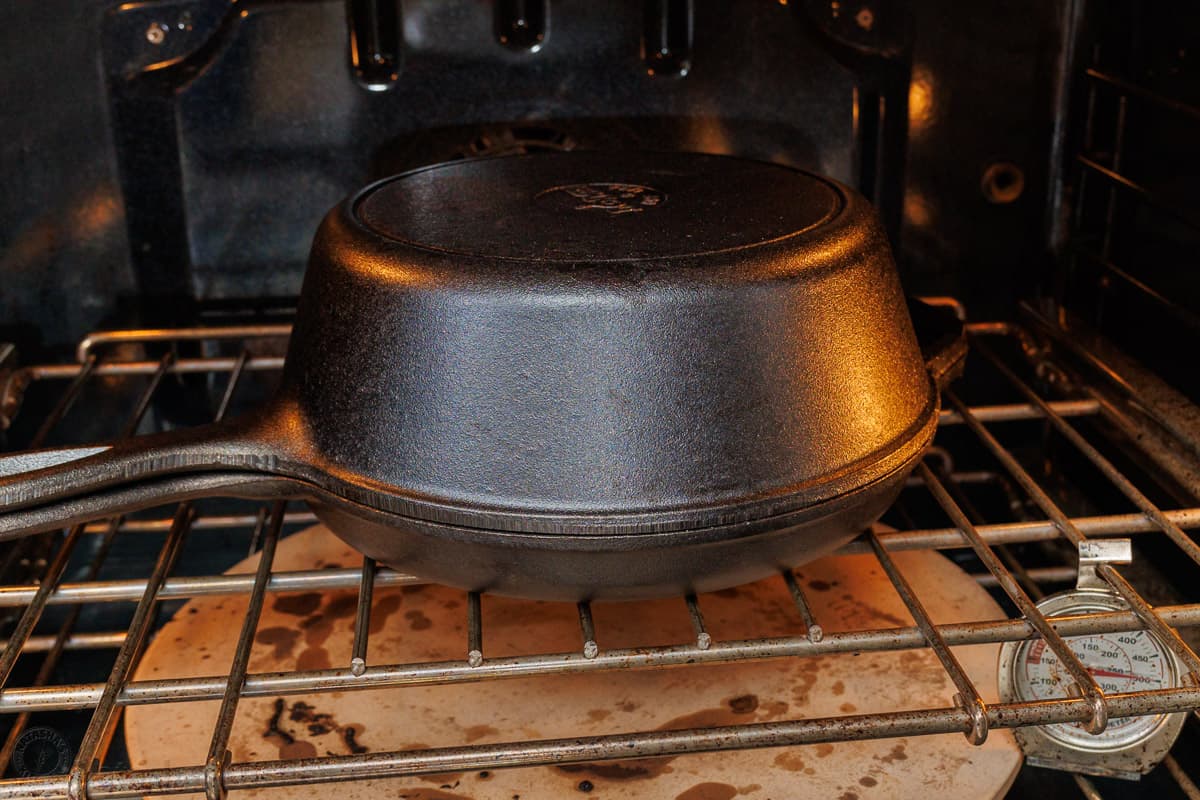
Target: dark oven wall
<point>163,158</point>
<point>1129,224</point>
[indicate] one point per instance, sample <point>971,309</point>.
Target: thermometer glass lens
<point>1119,662</point>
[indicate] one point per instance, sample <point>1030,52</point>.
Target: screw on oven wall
<point>1002,182</point>
<point>156,33</point>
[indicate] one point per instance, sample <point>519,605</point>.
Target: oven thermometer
<point>1120,662</point>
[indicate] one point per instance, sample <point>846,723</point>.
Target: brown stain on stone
<point>414,588</point>
<point>350,739</point>
<point>316,629</point>
<point>318,724</point>
<point>708,791</point>
<point>848,708</point>
<point>871,612</point>
<point>867,781</point>
<point>313,658</point>
<point>820,586</point>
<point>443,778</point>
<point>743,703</point>
<point>647,768</point>
<point>477,732</point>
<point>838,688</point>
<point>708,718</point>
<point>897,754</point>
<point>298,605</point>
<point>342,606</point>
<point>848,796</point>
<point>273,730</point>
<point>383,609</point>
<point>417,620</point>
<point>824,750</point>
<point>772,709</point>
<point>597,714</point>
<point>289,747</point>
<point>628,706</point>
<point>750,788</point>
<point>806,677</point>
<point>634,769</point>
<point>282,639</point>
<point>297,750</point>
<point>430,794</point>
<point>790,761</point>
<point>924,669</point>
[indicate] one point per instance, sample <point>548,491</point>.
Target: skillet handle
<point>136,466</point>
<point>942,334</point>
<point>110,503</point>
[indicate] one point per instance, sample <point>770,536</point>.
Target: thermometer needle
<point>1107,673</point>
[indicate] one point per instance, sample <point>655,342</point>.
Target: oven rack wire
<point>101,355</point>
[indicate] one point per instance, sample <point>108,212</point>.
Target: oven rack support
<point>966,714</point>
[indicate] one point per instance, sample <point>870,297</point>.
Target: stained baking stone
<point>309,631</point>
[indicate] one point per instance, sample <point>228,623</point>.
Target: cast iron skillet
<point>569,376</point>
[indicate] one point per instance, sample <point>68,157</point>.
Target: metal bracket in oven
<point>1093,553</point>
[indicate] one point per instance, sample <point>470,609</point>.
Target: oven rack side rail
<point>968,714</point>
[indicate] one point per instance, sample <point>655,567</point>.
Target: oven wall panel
<point>64,256</point>
<point>196,167</point>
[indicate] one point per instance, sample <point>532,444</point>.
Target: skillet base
<point>611,567</point>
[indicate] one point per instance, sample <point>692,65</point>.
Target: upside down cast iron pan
<point>569,376</point>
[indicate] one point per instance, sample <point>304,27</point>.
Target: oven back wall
<point>64,255</point>
<point>175,154</point>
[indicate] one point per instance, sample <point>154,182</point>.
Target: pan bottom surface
<point>611,567</point>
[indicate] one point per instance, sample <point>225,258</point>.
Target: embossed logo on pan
<point>608,198</point>
<point>41,751</point>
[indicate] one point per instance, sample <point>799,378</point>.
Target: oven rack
<point>106,355</point>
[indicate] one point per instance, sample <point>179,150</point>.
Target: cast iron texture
<point>725,342</point>
<point>576,375</point>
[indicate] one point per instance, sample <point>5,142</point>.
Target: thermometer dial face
<point>1119,662</point>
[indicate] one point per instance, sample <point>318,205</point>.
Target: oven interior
<point>168,162</point>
